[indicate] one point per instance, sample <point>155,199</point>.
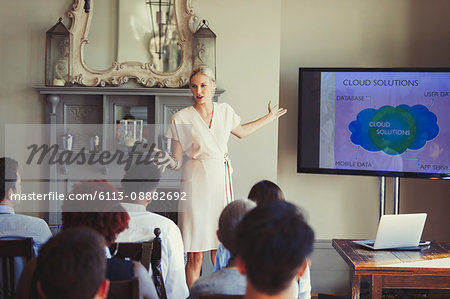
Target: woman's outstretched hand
<point>275,112</point>
<point>251,127</point>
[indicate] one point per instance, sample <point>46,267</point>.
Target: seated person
<point>16,226</point>
<point>72,265</point>
<point>107,218</point>
<point>144,179</point>
<point>273,241</point>
<point>227,281</point>
<point>262,192</point>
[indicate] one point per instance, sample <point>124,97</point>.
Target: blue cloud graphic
<point>394,129</point>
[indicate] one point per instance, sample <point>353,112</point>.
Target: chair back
<point>8,250</point>
<point>139,252</point>
<point>148,253</point>
<point>124,289</point>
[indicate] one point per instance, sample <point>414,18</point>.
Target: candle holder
<point>57,55</point>
<point>94,144</point>
<point>67,142</point>
<point>205,46</point>
<point>130,131</point>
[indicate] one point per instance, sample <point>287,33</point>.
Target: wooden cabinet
<point>84,112</point>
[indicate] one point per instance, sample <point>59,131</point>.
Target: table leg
<point>376,287</point>
<point>356,286</point>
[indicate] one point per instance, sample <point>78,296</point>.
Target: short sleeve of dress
<point>180,129</point>
<point>233,119</point>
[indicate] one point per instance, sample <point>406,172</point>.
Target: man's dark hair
<point>273,242</point>
<point>141,178</point>
<point>8,175</point>
<point>72,265</point>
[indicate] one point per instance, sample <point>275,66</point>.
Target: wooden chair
<point>148,253</point>
<point>124,289</point>
<point>140,252</point>
<point>8,250</point>
<point>219,296</point>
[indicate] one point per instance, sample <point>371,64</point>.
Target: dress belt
<point>228,180</point>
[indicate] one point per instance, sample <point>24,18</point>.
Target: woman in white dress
<point>201,133</point>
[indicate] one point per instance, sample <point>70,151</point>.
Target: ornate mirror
<point>148,40</point>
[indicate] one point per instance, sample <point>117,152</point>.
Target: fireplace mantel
<point>54,93</point>
<point>62,90</point>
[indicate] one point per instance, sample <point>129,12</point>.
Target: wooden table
<point>396,269</point>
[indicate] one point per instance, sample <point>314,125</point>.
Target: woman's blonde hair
<point>204,70</point>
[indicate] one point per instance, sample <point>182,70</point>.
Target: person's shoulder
<point>227,281</point>
<point>26,226</point>
<point>224,106</point>
<point>32,221</point>
<point>219,276</point>
<point>160,219</point>
<point>40,227</point>
<point>165,224</point>
<point>203,285</point>
<point>183,112</point>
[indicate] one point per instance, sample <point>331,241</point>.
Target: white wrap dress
<point>206,175</point>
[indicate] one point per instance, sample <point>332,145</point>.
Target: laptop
<point>400,232</point>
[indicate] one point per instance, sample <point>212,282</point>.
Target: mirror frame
<point>121,72</point>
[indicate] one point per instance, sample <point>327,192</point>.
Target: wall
<point>378,33</point>
<point>101,50</point>
<point>432,197</point>
<point>22,38</point>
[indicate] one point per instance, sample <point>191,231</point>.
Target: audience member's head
<point>9,178</point>
<point>72,265</point>
<point>109,218</point>
<point>273,243</point>
<point>140,178</point>
<point>229,219</point>
<point>265,191</point>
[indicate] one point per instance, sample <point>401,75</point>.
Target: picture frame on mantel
<point>145,73</point>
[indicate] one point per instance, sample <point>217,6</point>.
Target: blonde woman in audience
<point>227,281</point>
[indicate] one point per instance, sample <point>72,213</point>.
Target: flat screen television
<point>374,121</point>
